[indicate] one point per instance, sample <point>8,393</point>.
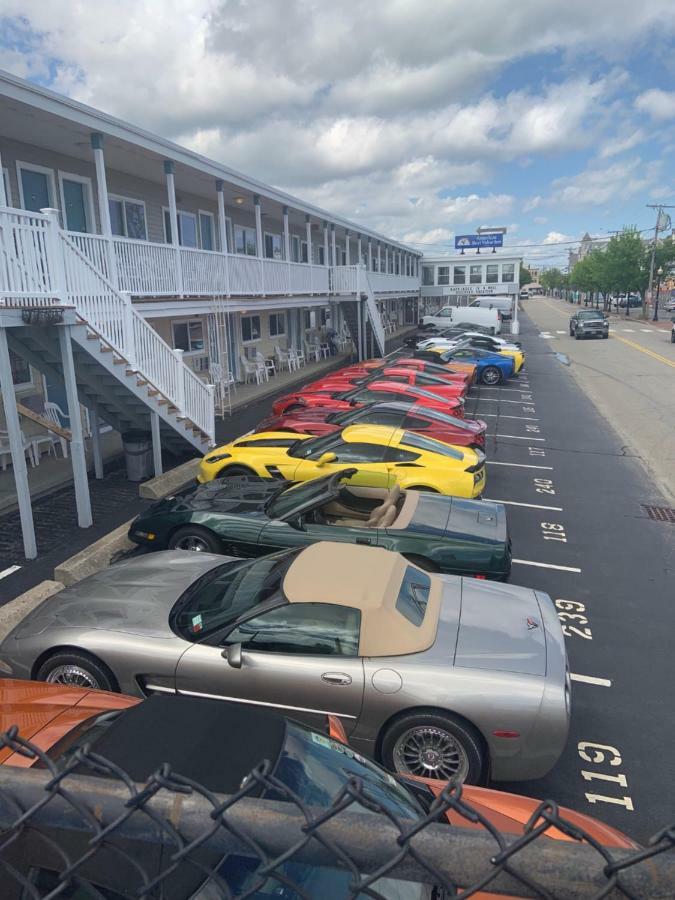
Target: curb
<point>169,482</point>
<point>95,557</point>
<point>14,611</point>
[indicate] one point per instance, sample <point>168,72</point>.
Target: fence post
<point>55,262</point>
<point>180,382</point>
<point>129,347</point>
<point>211,388</point>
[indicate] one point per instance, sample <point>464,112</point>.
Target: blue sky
<point>421,118</point>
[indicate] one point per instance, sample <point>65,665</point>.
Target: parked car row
<point>346,576</point>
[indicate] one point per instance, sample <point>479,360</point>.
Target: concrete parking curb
<point>14,611</point>
<point>174,480</point>
<point>95,557</point>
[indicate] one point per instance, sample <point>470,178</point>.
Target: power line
<point>552,245</point>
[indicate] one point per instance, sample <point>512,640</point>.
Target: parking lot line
<point>499,400</point>
<point>502,416</point>
<point>494,462</point>
<point>9,571</point>
<point>489,387</point>
<point>541,565</point>
<point>528,505</point>
<point>591,679</point>
<point>518,437</point>
<point>656,356</point>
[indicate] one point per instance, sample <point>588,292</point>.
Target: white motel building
<point>454,280</point>
<point>151,288</point>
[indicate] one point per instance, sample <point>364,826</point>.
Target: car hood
<point>500,628</point>
<point>135,596</point>
<point>228,496</point>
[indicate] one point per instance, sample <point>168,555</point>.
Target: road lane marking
<point>494,462</point>
<point>629,330</point>
<point>499,400</point>
<point>528,505</point>
<point>647,330</point>
<point>590,679</point>
<point>9,571</point>
<point>502,416</point>
<point>561,332</point>
<point>656,356</point>
<point>517,437</point>
<point>541,565</point>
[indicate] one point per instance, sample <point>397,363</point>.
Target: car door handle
<point>363,541</point>
<point>336,678</point>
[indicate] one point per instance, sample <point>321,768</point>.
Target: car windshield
<point>225,593</point>
<point>297,495</point>
<point>317,445</point>
<point>590,314</point>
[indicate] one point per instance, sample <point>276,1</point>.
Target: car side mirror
<point>326,458</point>
<point>233,655</point>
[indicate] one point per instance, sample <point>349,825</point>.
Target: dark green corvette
<point>251,516</point>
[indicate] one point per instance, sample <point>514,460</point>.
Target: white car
<point>449,343</point>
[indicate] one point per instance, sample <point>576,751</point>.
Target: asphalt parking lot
<point>580,532</point>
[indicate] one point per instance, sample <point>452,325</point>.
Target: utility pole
<point>659,207</point>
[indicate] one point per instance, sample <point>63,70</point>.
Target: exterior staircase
<point>123,367</point>
<point>371,325</point>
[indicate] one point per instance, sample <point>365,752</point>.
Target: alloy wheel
<point>73,675</point>
<point>192,542</point>
<point>432,753</point>
<point>491,376</point>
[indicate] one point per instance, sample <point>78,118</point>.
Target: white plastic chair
<point>283,358</point>
<point>298,358</point>
<point>6,453</point>
<point>270,368</point>
<point>252,370</point>
<point>312,351</point>
<point>55,414</point>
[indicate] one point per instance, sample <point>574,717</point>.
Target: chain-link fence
<point>83,829</point>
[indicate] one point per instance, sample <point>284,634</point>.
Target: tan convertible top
<point>367,579</point>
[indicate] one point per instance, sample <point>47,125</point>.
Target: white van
<point>502,302</point>
<point>444,318</point>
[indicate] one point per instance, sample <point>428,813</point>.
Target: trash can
<point>138,454</point>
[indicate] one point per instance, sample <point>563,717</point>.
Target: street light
<point>659,275</point>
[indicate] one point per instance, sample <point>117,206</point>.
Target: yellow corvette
<point>383,457</point>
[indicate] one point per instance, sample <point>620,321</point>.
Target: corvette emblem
<point>532,623</point>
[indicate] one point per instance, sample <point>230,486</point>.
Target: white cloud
<point>658,104</point>
<point>556,237</point>
<point>601,185</point>
<point>617,144</point>
<point>532,203</point>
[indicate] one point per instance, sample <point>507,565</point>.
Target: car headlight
<point>217,457</point>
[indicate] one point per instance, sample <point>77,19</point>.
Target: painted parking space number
<point>544,486</point>
<point>570,613</point>
<point>552,531</point>
<point>608,757</point>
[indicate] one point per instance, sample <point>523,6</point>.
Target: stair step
<point>140,382</point>
<point>162,401</point>
<point>152,392</point>
<point>106,349</point>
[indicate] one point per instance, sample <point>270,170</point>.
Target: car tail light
<point>336,729</point>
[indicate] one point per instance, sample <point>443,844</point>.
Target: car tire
<point>196,539</point>
<point>577,336</point>
<point>422,562</point>
<point>403,745</point>
<point>236,472</point>
<point>78,669</point>
<point>605,336</point>
<point>491,375</point>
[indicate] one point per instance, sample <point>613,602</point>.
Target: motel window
<point>20,370</point>
<point>206,231</point>
<point>443,275</point>
<point>309,319</point>
<point>277,324</point>
<point>244,240</point>
<point>476,274</point>
<point>187,228</point>
<point>492,273</point>
<point>508,271</point>
<point>273,246</point>
<point>188,335</point>
<point>250,328</point>
<point>427,275</point>
<point>36,186</point>
<point>460,275</point>
<point>295,248</point>
<point>127,218</point>
<point>305,257</point>
<point>322,255</point>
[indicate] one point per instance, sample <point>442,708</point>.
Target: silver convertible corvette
<point>433,675</point>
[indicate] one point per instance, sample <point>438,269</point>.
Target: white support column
<point>222,231</point>
<point>379,257</point>
<point>334,259</point>
<point>348,256</point>
<point>259,244</point>
<point>129,347</point>
<point>180,383</point>
<point>95,424</point>
<point>16,448</point>
<point>370,255</point>
<point>173,219</point>
<point>310,262</point>
<point>359,251</point>
<point>386,258</point>
<point>3,195</point>
<point>103,207</point>
<point>287,236</point>
<point>77,454</point>
<point>156,443</point>
<point>326,255</point>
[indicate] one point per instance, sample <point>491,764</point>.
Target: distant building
<point>455,280</point>
<point>585,247</point>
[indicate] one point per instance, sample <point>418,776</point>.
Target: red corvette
<point>428,368</point>
<point>434,383</point>
<point>371,393</point>
<point>415,417</point>
<point>456,367</point>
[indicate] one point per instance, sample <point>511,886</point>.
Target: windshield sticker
<point>321,740</point>
<point>196,624</point>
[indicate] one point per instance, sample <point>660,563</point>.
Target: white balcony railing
<point>147,269</point>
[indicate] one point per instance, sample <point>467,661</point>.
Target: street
<point>576,495</point>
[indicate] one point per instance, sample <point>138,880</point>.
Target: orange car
<point>423,365</point>
<point>58,718</point>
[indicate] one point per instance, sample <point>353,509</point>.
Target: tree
<point>525,276</point>
<point>553,279</point>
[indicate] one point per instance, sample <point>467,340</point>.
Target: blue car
<point>491,368</point>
